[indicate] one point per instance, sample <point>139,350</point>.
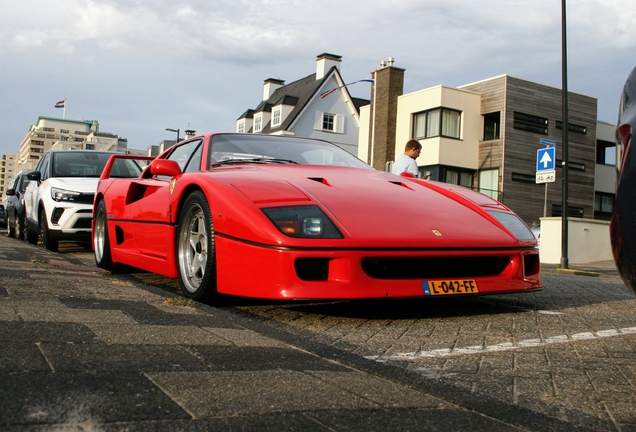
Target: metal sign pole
<point>564,206</point>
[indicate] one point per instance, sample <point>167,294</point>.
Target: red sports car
<point>291,218</point>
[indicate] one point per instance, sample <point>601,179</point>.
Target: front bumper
<point>274,272</point>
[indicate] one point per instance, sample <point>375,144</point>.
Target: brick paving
<point>562,358</point>
<point>568,351</point>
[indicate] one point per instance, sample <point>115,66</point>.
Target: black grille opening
<point>434,268</point>
<point>82,223</point>
<point>312,269</point>
<point>531,265</point>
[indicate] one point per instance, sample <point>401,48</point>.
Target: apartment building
<point>485,135</point>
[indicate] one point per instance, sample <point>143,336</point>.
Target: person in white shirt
<point>406,161</point>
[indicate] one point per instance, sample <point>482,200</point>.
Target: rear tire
<point>196,259</point>
<point>101,242</point>
<point>45,234</point>
<point>31,236</point>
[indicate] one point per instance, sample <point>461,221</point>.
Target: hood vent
<point>399,183</point>
<point>320,180</point>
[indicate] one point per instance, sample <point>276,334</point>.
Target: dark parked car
<point>623,225</point>
<point>3,217</point>
<point>15,206</point>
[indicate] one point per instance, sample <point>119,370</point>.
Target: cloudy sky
<point>141,66</point>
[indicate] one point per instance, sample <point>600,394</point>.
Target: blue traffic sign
<point>545,159</point>
<point>548,142</point>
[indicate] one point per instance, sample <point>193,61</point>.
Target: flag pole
<point>64,111</point>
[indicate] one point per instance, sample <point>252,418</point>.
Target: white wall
<point>605,178</point>
<point>333,104</point>
<point>438,150</point>
<point>588,241</point>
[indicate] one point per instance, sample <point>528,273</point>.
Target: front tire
<point>101,242</point>
<point>196,259</point>
<point>11,227</point>
<point>20,227</point>
<point>45,234</point>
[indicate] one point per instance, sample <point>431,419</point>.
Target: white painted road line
<point>480,349</point>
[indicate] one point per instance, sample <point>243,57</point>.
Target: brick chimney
<point>388,85</point>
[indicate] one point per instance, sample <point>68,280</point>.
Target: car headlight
<point>302,222</point>
<point>64,195</point>
<point>513,224</point>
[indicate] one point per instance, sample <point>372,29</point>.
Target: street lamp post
<point>174,130</point>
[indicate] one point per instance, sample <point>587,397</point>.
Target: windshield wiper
<point>255,160</point>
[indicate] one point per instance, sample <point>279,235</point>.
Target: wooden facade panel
<point>516,151</point>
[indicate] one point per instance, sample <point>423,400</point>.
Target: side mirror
<point>10,192</point>
<point>165,167</point>
<point>34,176</point>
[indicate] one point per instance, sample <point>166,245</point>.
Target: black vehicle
<point>623,225</point>
<point>15,206</point>
<point>3,217</point>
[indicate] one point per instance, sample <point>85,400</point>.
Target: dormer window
<point>276,117</point>
<point>258,123</point>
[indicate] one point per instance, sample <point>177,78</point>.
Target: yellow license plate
<point>449,287</point>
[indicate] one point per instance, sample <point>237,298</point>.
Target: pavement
<point>593,269</point>
<point>83,349</point>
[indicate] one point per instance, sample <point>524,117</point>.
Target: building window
<point>603,205</point>
<point>328,122</point>
<point>530,123</point>
<point>90,146</point>
<point>276,117</point>
<point>443,122</point>
<point>459,178</point>
<point>524,178</point>
<point>605,153</point>
<point>492,126</point>
<point>48,129</point>
<point>64,130</point>
<point>573,211</point>
<point>240,127</point>
<point>258,123</point>
<point>572,127</point>
<point>489,183</point>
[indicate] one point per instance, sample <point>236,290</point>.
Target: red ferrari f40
<point>279,217</point>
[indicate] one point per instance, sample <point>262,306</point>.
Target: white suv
<point>59,199</point>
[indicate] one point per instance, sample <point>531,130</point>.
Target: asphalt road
<point>82,349</point>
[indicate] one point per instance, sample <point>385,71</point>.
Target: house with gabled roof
<point>301,108</point>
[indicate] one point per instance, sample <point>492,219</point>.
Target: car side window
<point>22,184</point>
<point>195,161</point>
<point>43,167</point>
<point>183,153</point>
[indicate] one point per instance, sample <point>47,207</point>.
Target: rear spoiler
<point>109,165</point>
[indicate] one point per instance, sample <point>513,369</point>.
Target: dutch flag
<point>60,104</point>
<point>328,92</point>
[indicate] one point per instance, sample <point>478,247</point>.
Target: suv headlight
<point>61,195</point>
<point>302,221</point>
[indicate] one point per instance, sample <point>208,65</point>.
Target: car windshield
<point>91,164</point>
<point>240,148</point>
